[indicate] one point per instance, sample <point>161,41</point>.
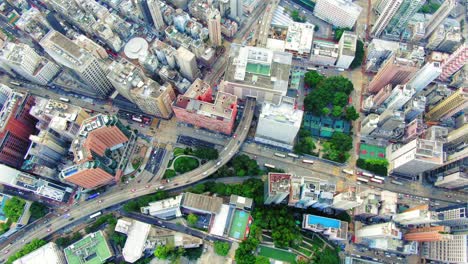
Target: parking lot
<point>194,142</point>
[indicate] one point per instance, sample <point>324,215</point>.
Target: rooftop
<point>60,114</point>
<point>137,234</point>
<point>240,202</point>
<point>49,253</point>
<point>279,182</point>
<point>136,48</point>
<point>325,48</point>
<point>349,41</point>
<point>283,113</point>
<point>9,105</point>
<point>324,222</point>
<point>165,204</point>
<point>92,249</point>
<point>202,202</point>
<point>66,48</point>
<point>299,37</point>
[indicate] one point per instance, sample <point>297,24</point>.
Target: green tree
<point>221,248</point>
<point>38,210</point>
<point>305,145</point>
<point>430,7</point>
<point>262,260</point>
<point>339,32</point>
<point>192,219</point>
<point>337,111</point>
<point>199,188</point>
<point>118,239</point>
<point>313,78</point>
<point>351,114</point>
<point>164,252</point>
<point>28,248</point>
<point>13,208</point>
<point>296,17</point>
<point>340,99</point>
<point>206,153</point>
<point>326,111</point>
<point>358,56</point>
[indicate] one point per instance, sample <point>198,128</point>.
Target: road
<point>128,192</point>
<point>264,29</point>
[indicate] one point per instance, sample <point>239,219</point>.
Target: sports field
<point>89,250</point>
<point>277,254</point>
<point>239,224</point>
<point>258,69</point>
<point>371,152</point>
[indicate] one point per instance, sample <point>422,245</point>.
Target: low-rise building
<point>416,216</point>
<point>324,53</point>
<point>385,230</point>
<point>164,209</point>
<point>299,39</point>
<point>334,229</point>
<point>91,249</point>
<point>137,233</point>
<point>50,253</point>
<point>347,50</point>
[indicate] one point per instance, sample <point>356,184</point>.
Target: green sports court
<point>258,69</point>
<point>92,249</point>
<point>239,226</point>
<point>371,152</point>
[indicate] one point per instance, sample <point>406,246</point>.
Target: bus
<point>92,196</point>
<point>95,215</point>
<point>137,119</point>
<point>308,161</point>
<point>376,180</point>
<point>292,155</point>
<point>269,166</point>
<point>362,180</point>
<point>350,172</point>
<point>379,178</point>
<point>15,83</point>
<point>280,155</point>
<point>366,174</point>
<point>64,99</point>
<point>311,69</point>
<point>396,182</point>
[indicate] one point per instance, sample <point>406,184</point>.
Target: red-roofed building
<point>278,187</point>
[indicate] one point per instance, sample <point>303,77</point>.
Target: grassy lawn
<point>178,151</point>
<point>169,174</point>
<point>277,254</point>
<point>185,164</point>
<point>304,251</point>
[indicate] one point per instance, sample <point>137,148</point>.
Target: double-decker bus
<point>269,166</point>
<point>396,182</point>
<point>95,215</point>
<point>137,119</point>
<point>308,161</point>
<point>362,180</point>
<point>350,172</point>
<point>376,180</point>
<point>92,196</point>
<point>379,178</point>
<point>292,155</point>
<point>15,83</point>
<point>280,155</point>
<point>64,99</point>
<point>366,174</point>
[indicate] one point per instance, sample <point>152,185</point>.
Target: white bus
<point>362,180</point>
<point>15,83</point>
<point>350,172</point>
<point>137,119</point>
<point>379,178</point>
<point>292,155</point>
<point>269,166</point>
<point>280,155</point>
<point>376,180</point>
<point>370,175</point>
<point>308,161</point>
<point>396,182</point>
<point>95,215</point>
<point>64,99</point>
<point>311,68</point>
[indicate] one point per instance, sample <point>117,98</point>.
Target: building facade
<point>394,71</point>
<point>339,13</point>
<point>449,106</point>
<point>347,50</point>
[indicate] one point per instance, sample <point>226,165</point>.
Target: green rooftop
<point>92,249</point>
<point>258,69</point>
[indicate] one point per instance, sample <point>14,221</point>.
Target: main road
<point>130,192</point>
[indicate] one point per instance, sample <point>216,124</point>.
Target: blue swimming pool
<point>2,205</point>
<point>324,221</point>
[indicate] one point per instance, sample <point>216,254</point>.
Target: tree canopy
<point>430,7</point>
<point>206,153</point>
<point>28,248</point>
<point>280,221</point>
<point>221,248</point>
<point>296,17</point>
<point>38,210</point>
<point>192,219</point>
<point>377,166</point>
<point>327,92</point>
<point>305,145</point>
<point>351,114</point>
<point>134,205</point>
<point>339,32</point>
<point>358,56</point>
<point>337,148</point>
<point>313,78</point>
<point>14,208</point>
<point>250,188</point>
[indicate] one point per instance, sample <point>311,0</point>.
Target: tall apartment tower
<point>454,62</point>
<point>387,10</point>
<point>417,157</point>
<point>428,73</point>
<point>454,250</point>
<point>439,16</point>
<point>214,27</point>
<point>187,63</point>
<point>154,7</point>
<point>16,125</point>
<point>236,9</point>
<point>339,13</point>
<point>394,71</point>
<point>81,62</point>
<point>450,106</point>
<point>347,50</point>
<point>23,60</point>
<point>403,15</point>
<point>145,11</point>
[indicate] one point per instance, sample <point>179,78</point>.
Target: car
<point>235,135</point>
<point>147,186</point>
<point>133,190</point>
<point>6,251</point>
<point>205,173</point>
<point>161,187</point>
<point>458,201</point>
<point>100,201</point>
<point>449,196</point>
<point>48,230</point>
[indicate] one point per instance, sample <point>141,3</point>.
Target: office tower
<point>16,125</point>
<point>416,216</point>
<point>449,106</point>
<point>197,107</point>
<point>416,157</point>
<point>455,216</point>
<point>400,95</point>
<point>187,63</point>
<point>143,7</point>
<point>154,7</point>
<point>403,15</point>
<point>385,230</point>
<point>428,234</point>
<point>439,16</point>
<point>369,124</point>
<point>23,60</point>
<point>378,52</point>
<point>382,96</point>
<point>236,9</point>
<point>394,71</point>
<point>460,78</point>
<point>278,125</point>
<point>453,250</point>
<point>424,76</point>
<point>347,51</point>
<point>454,62</point>
<point>415,107</point>
<point>214,27</point>
<point>333,229</point>
<point>339,13</point>
<point>81,62</point>
<point>278,187</point>
<point>386,9</point>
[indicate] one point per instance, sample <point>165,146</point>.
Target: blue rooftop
<point>324,221</point>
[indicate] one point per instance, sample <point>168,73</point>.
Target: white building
<point>137,233</point>
<point>164,209</point>
<point>339,13</point>
<point>347,50</point>
<point>334,229</point>
<point>423,77</point>
<point>187,63</point>
<point>388,10</point>
<point>447,251</point>
<point>50,253</point>
<point>385,230</point>
<point>87,67</point>
<point>416,216</point>
<point>236,9</point>
<point>417,157</point>
<point>324,53</point>
<point>279,125</point>
<point>214,27</point>
<point>453,180</point>
<point>399,96</point>
<point>23,60</point>
<point>154,7</point>
<point>299,39</point>
<point>347,199</point>
<point>442,12</point>
<point>369,124</point>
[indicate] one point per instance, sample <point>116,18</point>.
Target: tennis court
<point>371,152</point>
<point>277,254</point>
<point>239,224</point>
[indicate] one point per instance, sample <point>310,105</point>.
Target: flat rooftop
<point>64,46</point>
<point>279,182</point>
<point>324,222</point>
<point>299,37</point>
<point>92,249</point>
<point>349,43</point>
<point>283,113</point>
<point>202,202</point>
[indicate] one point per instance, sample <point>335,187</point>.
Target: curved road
<point>130,192</point>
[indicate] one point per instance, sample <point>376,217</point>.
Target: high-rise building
<point>454,180</point>
<point>339,13</point>
<point>436,38</point>
<point>214,27</point>
<point>236,9</point>
<point>454,250</point>
<point>415,107</point>
<point>386,9</point>
<point>455,216</point>
<point>423,77</point>
<point>428,234</point>
<point>154,7</point>
<point>332,228</point>
<point>378,52</point>
<point>460,78</point>
<point>416,216</point>
<point>399,96</point>
<point>452,40</point>
<point>403,15</point>
<point>197,107</point>
<point>439,16</point>
<point>454,62</point>
<point>449,106</point>
<point>394,71</point>
<point>279,125</point>
<point>278,187</point>
<point>145,11</point>
<point>82,63</point>
<point>385,230</point>
<point>26,62</point>
<point>347,50</point>
<point>187,63</point>
<point>347,199</point>
<point>16,125</point>
<point>417,156</point>
<point>369,124</point>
